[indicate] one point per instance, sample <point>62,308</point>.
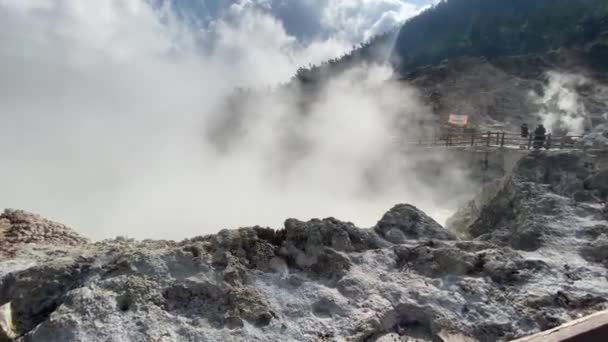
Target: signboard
<point>458,120</point>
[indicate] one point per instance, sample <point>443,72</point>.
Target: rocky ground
<point>508,91</point>
<point>533,256</point>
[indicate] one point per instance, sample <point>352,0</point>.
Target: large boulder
<point>405,222</point>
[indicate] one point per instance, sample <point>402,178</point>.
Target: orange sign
<point>458,120</point>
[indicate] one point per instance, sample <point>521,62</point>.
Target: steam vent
<point>303,170</point>
<point>532,258</point>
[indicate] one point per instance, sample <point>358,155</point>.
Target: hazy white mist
<point>562,108</point>
<point>105,105</point>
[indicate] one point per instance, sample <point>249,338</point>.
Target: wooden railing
<point>501,139</point>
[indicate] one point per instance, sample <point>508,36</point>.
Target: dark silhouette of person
<point>539,136</point>
<point>524,131</point>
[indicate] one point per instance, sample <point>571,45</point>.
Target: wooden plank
<point>590,328</point>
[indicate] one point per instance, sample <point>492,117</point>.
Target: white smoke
<point>562,109</point>
<point>359,20</point>
<point>105,111</point>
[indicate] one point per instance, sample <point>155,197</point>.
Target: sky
<point>351,21</point>
<point>316,30</point>
<point>105,105</point>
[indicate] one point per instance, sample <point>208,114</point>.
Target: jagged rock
<point>597,250</point>
<point>598,182</point>
<point>534,195</point>
<point>341,236</point>
<point>220,305</point>
<point>243,244</point>
<point>563,173</point>
<point>404,222</point>
<point>36,292</point>
<point>405,279</point>
<point>503,269</point>
<point>18,226</point>
<point>565,300</point>
<point>596,139</point>
<point>137,292</point>
<point>592,232</point>
<point>437,260</point>
<point>464,217</point>
<point>585,196</point>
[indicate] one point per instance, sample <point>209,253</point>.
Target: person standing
<point>539,136</point>
<point>524,130</point>
<point>524,135</point>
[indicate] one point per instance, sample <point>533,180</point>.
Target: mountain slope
<point>565,89</point>
<point>500,62</point>
<point>494,28</point>
<point>482,28</point>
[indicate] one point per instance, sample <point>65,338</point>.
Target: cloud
<point>359,20</point>
<point>312,21</point>
<point>106,109</point>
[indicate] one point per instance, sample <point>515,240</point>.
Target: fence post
<point>497,138</point>
<point>548,141</point>
<point>489,137</point>
<point>563,143</point>
<point>447,140</point>
<point>472,139</point>
<point>530,142</point>
<point>502,140</point>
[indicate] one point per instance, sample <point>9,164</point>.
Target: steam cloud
<point>109,123</point>
<point>347,22</point>
<point>563,106</point>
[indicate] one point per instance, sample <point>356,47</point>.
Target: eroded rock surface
<point>19,226</point>
<point>540,203</point>
<point>405,222</point>
<point>536,259</point>
<point>506,90</point>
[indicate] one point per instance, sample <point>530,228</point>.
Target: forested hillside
<point>493,28</point>
<point>501,62</point>
<point>483,28</point>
